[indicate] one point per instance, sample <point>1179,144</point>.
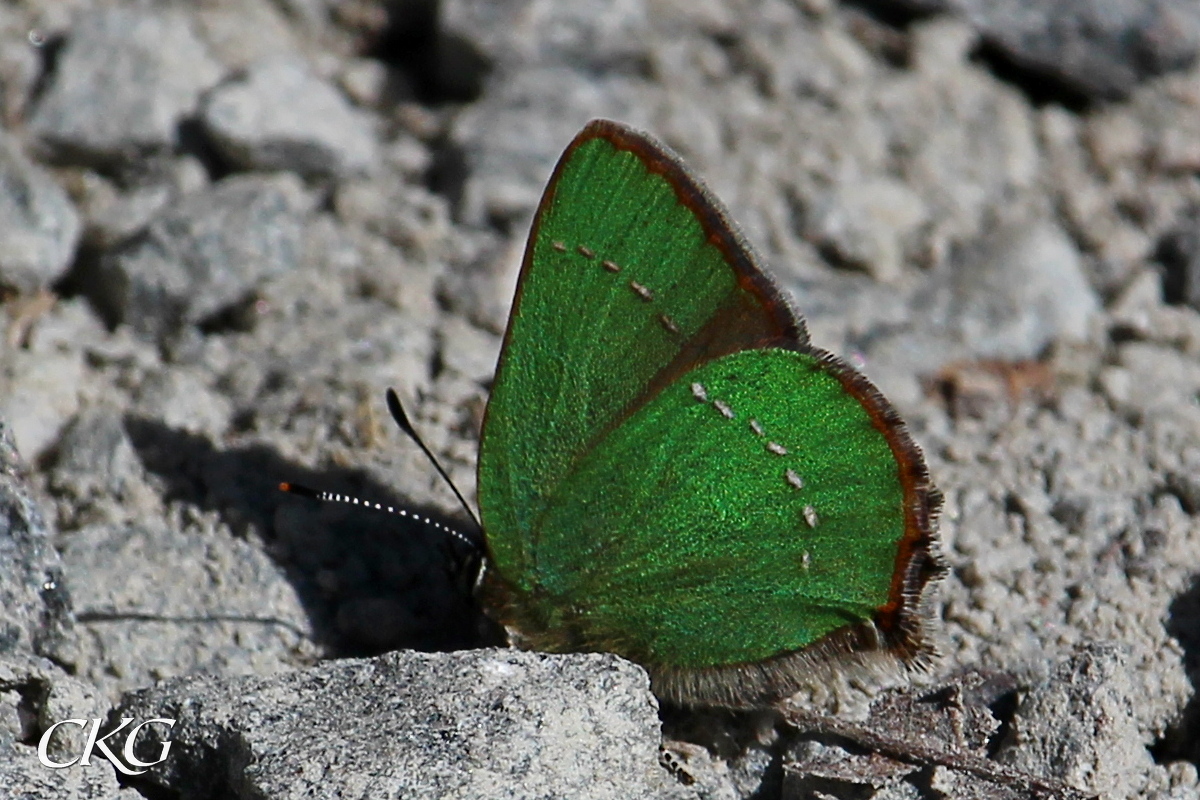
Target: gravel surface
<point>227,227</point>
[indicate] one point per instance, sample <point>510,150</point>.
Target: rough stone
<point>202,255</point>
<point>281,116</point>
<point>40,384</point>
<point>457,725</point>
<point>1100,49</point>
<point>229,610</point>
<point>1094,49</point>
<point>125,80</point>
<point>1079,725</point>
<point>1020,290</point>
<point>94,454</point>
<point>114,213</point>
<point>20,63</point>
<point>38,224</point>
<point>863,226</point>
<point>36,694</point>
<point>513,148</point>
<point>1179,253</point>
<point>183,401</point>
<point>37,617</point>
<point>240,34</point>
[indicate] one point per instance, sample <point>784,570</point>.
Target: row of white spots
<point>790,475</point>
<point>642,291</point>
<point>333,497</point>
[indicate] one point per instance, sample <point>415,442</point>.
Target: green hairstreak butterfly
<point>670,471</point>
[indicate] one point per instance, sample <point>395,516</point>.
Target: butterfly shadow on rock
<point>370,582</point>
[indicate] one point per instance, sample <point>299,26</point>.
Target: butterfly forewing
<point>624,285</point>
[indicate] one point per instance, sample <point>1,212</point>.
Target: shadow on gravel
<point>1182,741</point>
<point>369,581</point>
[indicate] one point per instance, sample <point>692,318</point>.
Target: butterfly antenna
<point>400,511</point>
<point>402,420</point>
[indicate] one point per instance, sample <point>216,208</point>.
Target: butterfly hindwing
<point>756,523</point>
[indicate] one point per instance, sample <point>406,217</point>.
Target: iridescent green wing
<point>631,275</point>
<point>668,470</point>
<point>748,510</point>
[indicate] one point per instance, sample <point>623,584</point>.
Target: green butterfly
<point>670,471</point>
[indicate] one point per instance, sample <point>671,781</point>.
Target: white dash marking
<point>559,246</point>
<point>611,266</point>
<point>723,407</point>
<point>757,428</point>
<point>794,479</point>
<point>586,252</point>
<point>668,323</point>
<point>699,393</point>
<point>777,448</point>
<point>641,291</point>
<point>810,516</point>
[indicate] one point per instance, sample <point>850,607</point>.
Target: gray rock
<point>566,63</point>
<point>1068,519</point>
<point>1080,727</point>
<point>37,616</point>
<point>485,723</point>
<point>20,63</point>
<point>228,609</point>
<point>249,31</point>
<point>34,694</point>
<point>114,212</point>
<point>21,775</point>
<point>1097,49</point>
<point>520,32</point>
<point>38,224</point>
<point>814,768</point>
<point>863,225</point>
<point>41,381</point>
<point>124,81</point>
<point>1057,527</point>
<point>1100,49</point>
<point>184,401</point>
<point>1149,378</point>
<point>94,455</point>
<point>1179,254</point>
<point>509,153</point>
<point>281,116</point>
<point>481,287</point>
<point>203,255</point>
<point>467,350</point>
<point>1008,296</point>
<point>1018,290</point>
<point>408,216</point>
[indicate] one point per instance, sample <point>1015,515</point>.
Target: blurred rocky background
<point>227,226</point>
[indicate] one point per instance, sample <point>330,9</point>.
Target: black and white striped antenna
<point>403,422</point>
